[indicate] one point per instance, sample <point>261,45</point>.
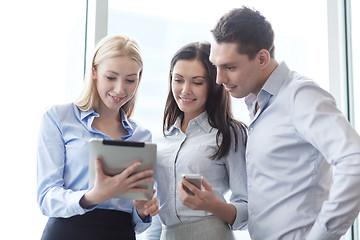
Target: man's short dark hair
<point>248,28</point>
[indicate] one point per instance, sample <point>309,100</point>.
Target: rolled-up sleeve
<point>140,225</point>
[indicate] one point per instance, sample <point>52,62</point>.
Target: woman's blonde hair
<point>109,47</point>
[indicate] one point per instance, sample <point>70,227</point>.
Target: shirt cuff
<point>140,225</point>
<point>241,219</point>
<point>319,233</point>
<point>77,207</point>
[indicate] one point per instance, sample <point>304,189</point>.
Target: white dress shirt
<point>294,139</point>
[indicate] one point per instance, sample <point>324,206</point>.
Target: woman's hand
<point>145,208</point>
<point>201,200</point>
<point>206,200</point>
<point>106,187</point>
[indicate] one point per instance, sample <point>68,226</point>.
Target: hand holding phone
<point>194,179</point>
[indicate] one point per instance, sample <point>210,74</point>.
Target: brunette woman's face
<point>190,86</point>
<point>116,81</point>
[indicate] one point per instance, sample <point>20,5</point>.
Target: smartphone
<point>194,179</point>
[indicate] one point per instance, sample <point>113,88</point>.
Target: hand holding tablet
<point>116,157</point>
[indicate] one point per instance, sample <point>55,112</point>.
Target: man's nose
<point>221,76</point>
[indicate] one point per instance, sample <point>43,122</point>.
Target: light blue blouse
<point>63,161</point>
<point>191,152</point>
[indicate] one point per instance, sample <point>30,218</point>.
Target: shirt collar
<point>125,122</point>
<point>202,120</point>
<point>176,125</point>
<point>249,99</point>
<point>84,115</point>
<point>272,84</point>
<point>276,79</point>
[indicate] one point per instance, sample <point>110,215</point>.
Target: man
<point>296,136</point>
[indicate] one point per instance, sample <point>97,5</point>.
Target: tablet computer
<point>116,156</point>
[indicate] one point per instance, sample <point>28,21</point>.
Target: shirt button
<point>199,130</point>
<point>251,129</point>
<point>192,123</point>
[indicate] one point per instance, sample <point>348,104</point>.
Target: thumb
<point>99,170</point>
<point>154,191</point>
<point>206,185</point>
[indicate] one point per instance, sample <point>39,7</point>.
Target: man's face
<point>239,75</point>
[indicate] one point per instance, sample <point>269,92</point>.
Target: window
<point>42,64</point>
<point>355,35</point>
<point>42,55</point>
<point>355,50</point>
<point>300,39</point>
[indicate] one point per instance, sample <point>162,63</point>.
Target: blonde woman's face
<point>116,81</point>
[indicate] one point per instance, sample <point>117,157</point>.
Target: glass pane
<point>42,48</point>
<point>162,28</point>
<point>355,38</point>
<point>355,35</point>
<point>300,41</point>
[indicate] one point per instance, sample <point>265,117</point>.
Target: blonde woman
<point>103,111</point>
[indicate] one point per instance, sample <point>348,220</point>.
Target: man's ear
<point>263,57</point>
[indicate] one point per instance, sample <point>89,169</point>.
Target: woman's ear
<point>94,73</point>
<point>264,57</point>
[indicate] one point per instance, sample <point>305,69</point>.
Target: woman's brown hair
<point>218,104</point>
